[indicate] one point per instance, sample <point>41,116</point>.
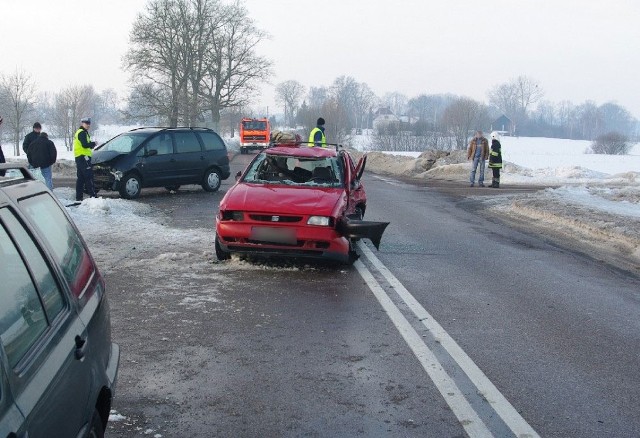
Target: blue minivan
<point>161,157</point>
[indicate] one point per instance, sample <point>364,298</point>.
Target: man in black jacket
<point>42,154</point>
<point>31,137</point>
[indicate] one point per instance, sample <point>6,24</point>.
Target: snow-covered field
<point>591,198</point>
<point>594,199</point>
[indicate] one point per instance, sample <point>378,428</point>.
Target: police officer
<point>82,150</point>
<point>316,136</point>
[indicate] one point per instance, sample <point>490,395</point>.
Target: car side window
<point>161,143</point>
<point>22,318</point>
<point>212,141</point>
<point>186,142</point>
<point>66,245</point>
<point>50,292</point>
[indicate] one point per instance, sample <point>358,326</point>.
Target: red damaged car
<point>298,201</point>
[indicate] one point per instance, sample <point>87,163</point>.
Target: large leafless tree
<point>234,69</point>
<point>197,57</point>
<point>17,95</point>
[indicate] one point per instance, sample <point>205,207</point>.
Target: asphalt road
<point>459,325</point>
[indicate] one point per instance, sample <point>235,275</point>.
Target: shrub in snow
<point>611,143</point>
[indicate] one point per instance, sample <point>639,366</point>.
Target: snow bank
<point>595,203</point>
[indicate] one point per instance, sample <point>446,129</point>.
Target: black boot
<point>497,184</point>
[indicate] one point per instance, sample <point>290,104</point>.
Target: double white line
<point>466,414</point>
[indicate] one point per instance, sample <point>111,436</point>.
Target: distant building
<point>384,117</point>
<point>504,125</point>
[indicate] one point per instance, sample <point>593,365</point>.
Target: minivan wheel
<point>221,253</point>
<point>211,181</point>
<point>96,429</point>
<point>130,186</point>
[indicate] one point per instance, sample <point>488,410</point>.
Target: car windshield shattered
<point>295,171</point>
<point>124,143</point>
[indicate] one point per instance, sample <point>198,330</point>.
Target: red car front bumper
<point>308,241</point>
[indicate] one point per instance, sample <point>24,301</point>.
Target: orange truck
<point>254,134</point>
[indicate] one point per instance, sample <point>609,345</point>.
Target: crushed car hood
<point>283,200</point>
<point>104,156</point>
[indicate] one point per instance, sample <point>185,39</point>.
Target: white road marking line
<point>460,406</point>
<point>494,397</point>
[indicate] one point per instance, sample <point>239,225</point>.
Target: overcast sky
<point>576,49</point>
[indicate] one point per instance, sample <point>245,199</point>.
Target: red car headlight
<point>232,215</point>
<point>323,221</point>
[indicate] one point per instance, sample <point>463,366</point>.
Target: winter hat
<point>86,120</point>
<point>320,122</point>
<point>44,134</point>
<point>37,125</point>
<point>495,135</point>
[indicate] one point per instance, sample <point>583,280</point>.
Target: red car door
<point>358,197</point>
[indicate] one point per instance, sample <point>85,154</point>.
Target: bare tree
<point>17,93</point>
<point>156,57</point>
<point>462,116</point>
<point>288,94</point>
<point>428,108</point>
<point>317,96</point>
<point>233,67</point>
<point>106,107</point>
<point>71,105</point>
<point>615,118</point>
<point>352,99</point>
<point>396,102</point>
<point>364,100</point>
<point>588,119</point>
<point>516,97</point>
<point>343,93</point>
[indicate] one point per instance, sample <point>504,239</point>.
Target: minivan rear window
<point>187,142</point>
<point>212,142</point>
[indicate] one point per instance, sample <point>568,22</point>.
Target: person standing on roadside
<point>31,137</point>
<point>316,136</point>
<point>2,160</point>
<point>82,151</point>
<point>478,151</point>
<point>495,159</point>
<point>42,154</point>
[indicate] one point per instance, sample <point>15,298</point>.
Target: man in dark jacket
<point>31,137</point>
<point>42,154</point>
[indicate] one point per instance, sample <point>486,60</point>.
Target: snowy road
<point>523,335</point>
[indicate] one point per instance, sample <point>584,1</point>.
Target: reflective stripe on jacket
<point>495,156</point>
<point>78,148</point>
<point>312,135</point>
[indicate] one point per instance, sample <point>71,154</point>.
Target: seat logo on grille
<point>275,218</point>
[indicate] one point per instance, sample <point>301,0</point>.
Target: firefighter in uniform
<point>316,136</point>
<point>495,159</point>
<point>82,151</point>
